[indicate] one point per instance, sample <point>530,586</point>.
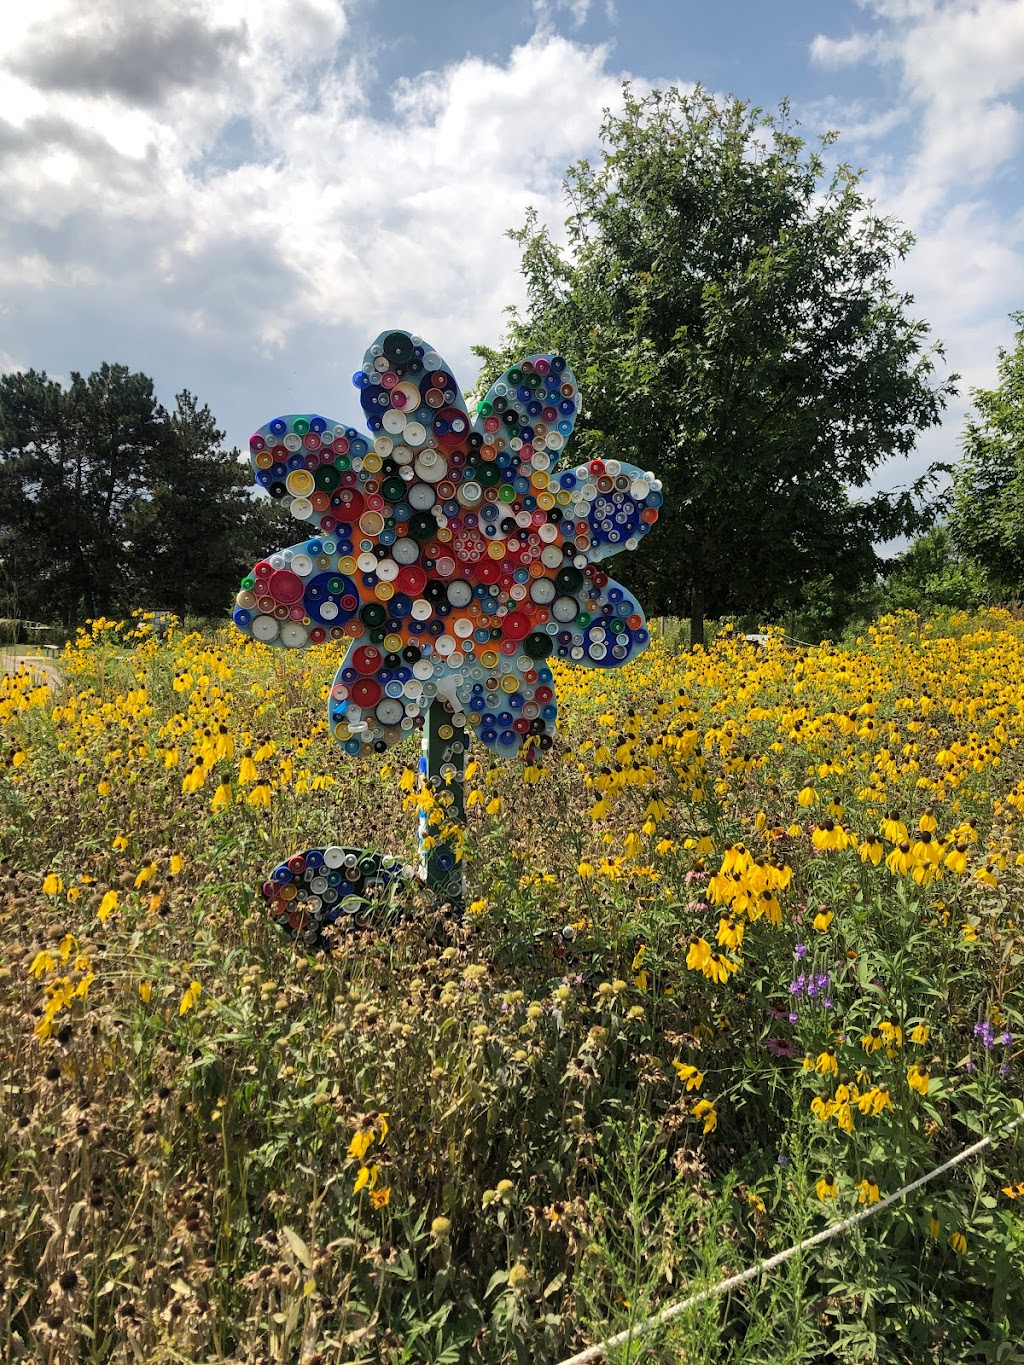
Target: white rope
<point>761,1267</point>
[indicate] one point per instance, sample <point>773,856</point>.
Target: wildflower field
<point>743,955</point>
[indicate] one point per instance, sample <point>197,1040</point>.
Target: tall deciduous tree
<point>108,502</point>
<point>987,519</point>
<point>730,313</point>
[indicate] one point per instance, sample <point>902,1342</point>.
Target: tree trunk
<point>696,616</point>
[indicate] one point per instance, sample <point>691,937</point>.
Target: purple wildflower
<point>800,951</point>
<point>986,1033</point>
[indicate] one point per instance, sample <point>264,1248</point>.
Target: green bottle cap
<point>487,473</point>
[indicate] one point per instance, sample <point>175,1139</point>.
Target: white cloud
<point>269,209</point>
<point>837,52</point>
<point>578,10</point>
<point>958,66</point>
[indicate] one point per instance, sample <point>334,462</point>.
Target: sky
<point>236,198</point>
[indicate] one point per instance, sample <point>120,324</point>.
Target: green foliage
<point>931,574</point>
<point>190,1101</point>
<point>108,501</point>
<point>987,519</point>
<point>730,313</point>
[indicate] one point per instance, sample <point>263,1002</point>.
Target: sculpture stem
<point>443,769</point>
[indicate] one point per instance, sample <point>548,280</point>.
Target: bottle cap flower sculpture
<point>454,557</point>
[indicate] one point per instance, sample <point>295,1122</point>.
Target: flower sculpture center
<point>450,553</point>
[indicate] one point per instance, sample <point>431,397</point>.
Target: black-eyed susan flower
<point>704,1109</point>
<point>918,1079</point>
<point>867,1191</point>
<point>893,828</point>
<point>826,1062</point>
<point>699,954</point>
<point>191,998</point>
<point>871,849</point>
<point>691,1077</point>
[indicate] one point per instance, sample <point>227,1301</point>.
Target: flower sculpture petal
<point>450,552</point>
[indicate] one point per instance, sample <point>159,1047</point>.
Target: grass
<point>491,1141</point>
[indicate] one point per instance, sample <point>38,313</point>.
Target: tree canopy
<point>109,502</point>
<point>987,518</point>
<point>730,312</point>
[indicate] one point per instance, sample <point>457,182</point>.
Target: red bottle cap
<point>286,587</point>
<point>412,580</point>
<point>366,659</point>
<point>516,626</point>
<point>366,692</point>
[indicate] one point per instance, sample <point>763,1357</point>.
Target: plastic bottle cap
<point>460,593</point>
<point>294,635</point>
<point>286,587</point>
<point>264,628</point>
<point>367,692</point>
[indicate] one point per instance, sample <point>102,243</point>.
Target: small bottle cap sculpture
<point>451,554</point>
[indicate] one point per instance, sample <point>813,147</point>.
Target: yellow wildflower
<point>917,1079</point>
<point>689,1075</point>
<point>867,1192</point>
<point>190,998</point>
